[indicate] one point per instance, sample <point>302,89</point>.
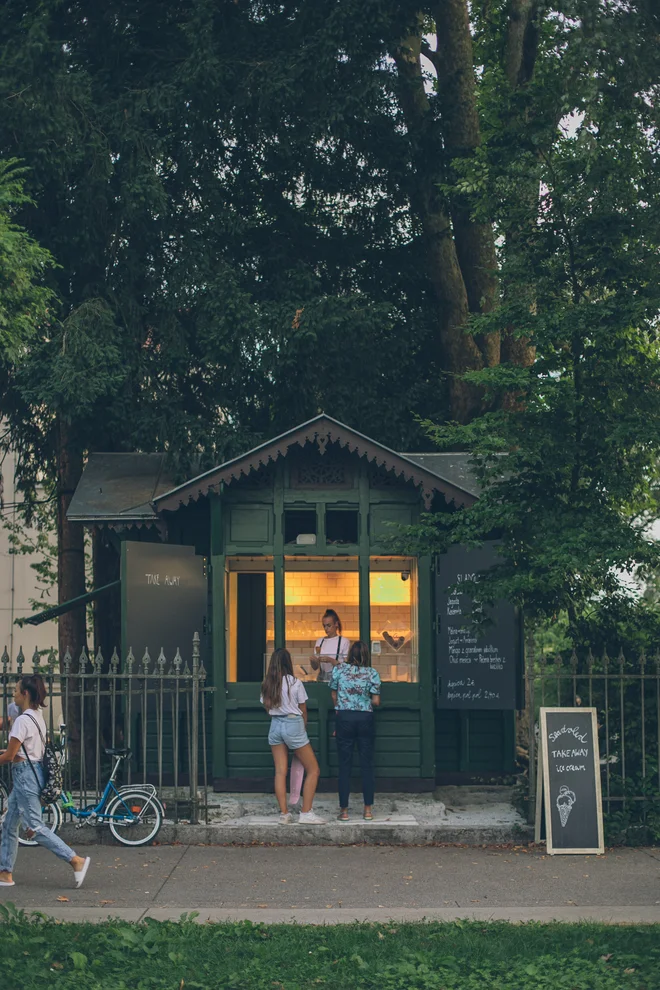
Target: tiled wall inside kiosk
<point>307,594</point>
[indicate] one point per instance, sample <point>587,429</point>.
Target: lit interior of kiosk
<point>311,585</point>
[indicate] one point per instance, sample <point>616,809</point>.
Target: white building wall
<point>18,581</point>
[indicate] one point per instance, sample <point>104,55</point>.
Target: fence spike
<point>67,661</point>
<point>642,660</point>
<point>186,669</point>
<point>622,659</point>
<point>5,660</point>
<point>605,660</point>
<point>143,668</point>
<point>176,663</point>
<point>98,662</point>
<point>20,660</point>
<point>114,661</point>
<point>590,660</point>
<point>559,660</point>
<point>130,660</point>
<point>161,661</point>
<point>202,671</point>
<point>52,660</point>
<point>574,659</point>
<point>35,661</point>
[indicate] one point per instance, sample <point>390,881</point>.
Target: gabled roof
<point>454,467</point>
<point>319,431</point>
<point>119,489</point>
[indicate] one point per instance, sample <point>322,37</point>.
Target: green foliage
<point>24,296</point>
<point>568,452</point>
<point>245,956</point>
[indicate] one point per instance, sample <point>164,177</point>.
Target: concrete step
<point>474,816</point>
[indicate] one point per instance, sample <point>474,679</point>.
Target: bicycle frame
<point>95,811</point>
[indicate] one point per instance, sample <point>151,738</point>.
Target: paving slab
<point>319,884</point>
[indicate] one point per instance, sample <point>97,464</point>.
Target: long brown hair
<point>358,654</point>
<point>33,685</point>
<point>271,690</point>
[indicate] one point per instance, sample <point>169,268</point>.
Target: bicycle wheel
<point>137,818</point>
<point>51,818</point>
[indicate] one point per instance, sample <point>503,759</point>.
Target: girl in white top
<point>25,752</point>
<point>331,649</point>
<point>285,699</point>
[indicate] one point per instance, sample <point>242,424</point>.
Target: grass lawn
<point>183,955</point>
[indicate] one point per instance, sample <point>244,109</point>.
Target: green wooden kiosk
<point>302,523</point>
<point>299,524</point>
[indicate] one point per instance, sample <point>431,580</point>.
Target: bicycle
<point>135,807</point>
<point>133,813</point>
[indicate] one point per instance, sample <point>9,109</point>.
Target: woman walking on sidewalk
<point>25,751</point>
<point>355,687</point>
<point>285,700</point>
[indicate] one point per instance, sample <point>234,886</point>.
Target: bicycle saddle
<point>118,752</point>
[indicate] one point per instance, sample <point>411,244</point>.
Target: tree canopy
<point>24,296</point>
<point>396,212</point>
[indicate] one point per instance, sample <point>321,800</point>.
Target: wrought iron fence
<point>155,708</point>
<point>626,695</point>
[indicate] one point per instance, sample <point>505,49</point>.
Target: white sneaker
<point>285,819</point>
<point>310,818</point>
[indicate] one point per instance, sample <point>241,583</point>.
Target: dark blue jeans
<point>355,727</point>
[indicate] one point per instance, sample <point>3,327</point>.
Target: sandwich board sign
<point>569,781</point>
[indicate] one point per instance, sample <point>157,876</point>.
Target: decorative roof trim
<point>320,431</point>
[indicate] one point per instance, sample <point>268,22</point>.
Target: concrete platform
<point>468,816</point>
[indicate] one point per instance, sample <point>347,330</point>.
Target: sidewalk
<point>328,885</point>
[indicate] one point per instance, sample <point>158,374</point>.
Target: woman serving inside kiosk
<point>330,649</point>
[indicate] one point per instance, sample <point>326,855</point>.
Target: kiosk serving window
<point>311,585</point>
<point>393,604</point>
<point>249,617</point>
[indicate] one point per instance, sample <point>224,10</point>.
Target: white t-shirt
<point>329,649</point>
<point>293,695</point>
<point>26,732</point>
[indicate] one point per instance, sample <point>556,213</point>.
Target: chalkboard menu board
<point>164,599</point>
<point>570,778</point>
<point>476,668</point>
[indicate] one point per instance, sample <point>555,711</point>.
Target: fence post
<point>530,665</point>
<point>194,733</point>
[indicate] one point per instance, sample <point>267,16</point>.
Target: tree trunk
<point>519,61</point>
<point>107,621</point>
<point>72,633</point>
<point>107,617</point>
<point>458,351</point>
<point>475,242</point>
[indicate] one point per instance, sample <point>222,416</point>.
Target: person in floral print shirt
<point>355,687</point>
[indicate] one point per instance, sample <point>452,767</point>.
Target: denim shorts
<point>288,729</point>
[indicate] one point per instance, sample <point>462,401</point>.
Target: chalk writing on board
<point>565,801</point>
<point>169,580</point>
<point>463,648</point>
<point>572,730</point>
<point>477,661</point>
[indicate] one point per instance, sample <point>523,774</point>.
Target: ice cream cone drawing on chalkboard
<point>565,801</point>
